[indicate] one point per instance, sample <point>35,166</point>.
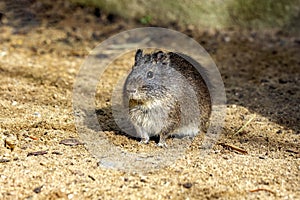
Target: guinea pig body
<point>166,95</point>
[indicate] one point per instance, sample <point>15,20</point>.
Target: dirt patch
<point>40,59</point>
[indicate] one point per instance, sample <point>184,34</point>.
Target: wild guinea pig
<point>166,95</point>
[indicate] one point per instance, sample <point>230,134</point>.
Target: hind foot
<point>162,144</point>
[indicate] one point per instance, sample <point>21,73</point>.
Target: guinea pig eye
<point>149,74</point>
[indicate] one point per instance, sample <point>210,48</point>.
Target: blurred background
<point>253,14</point>
<point>249,14</point>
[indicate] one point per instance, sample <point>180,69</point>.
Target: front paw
<point>144,141</point>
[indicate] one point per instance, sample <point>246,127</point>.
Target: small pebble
<point>143,179</point>
<point>187,185</point>
<point>282,81</point>
<point>227,39</point>
<point>264,80</point>
<point>10,142</point>
<point>38,189</point>
<point>3,53</point>
<point>57,153</point>
<point>14,103</point>
<point>3,160</point>
<point>70,196</point>
<point>37,114</point>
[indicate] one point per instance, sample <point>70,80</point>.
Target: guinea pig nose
<point>131,91</point>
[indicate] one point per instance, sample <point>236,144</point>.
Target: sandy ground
<point>41,52</point>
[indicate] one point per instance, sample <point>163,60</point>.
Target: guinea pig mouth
<point>136,102</point>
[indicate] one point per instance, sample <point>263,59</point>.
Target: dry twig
<point>262,189</point>
<point>235,148</point>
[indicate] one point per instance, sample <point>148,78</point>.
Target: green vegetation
<point>212,13</point>
<point>146,19</point>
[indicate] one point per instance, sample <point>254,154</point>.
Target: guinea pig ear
<point>138,55</point>
<point>159,56</point>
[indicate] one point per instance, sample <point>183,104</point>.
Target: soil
<point>42,49</point>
